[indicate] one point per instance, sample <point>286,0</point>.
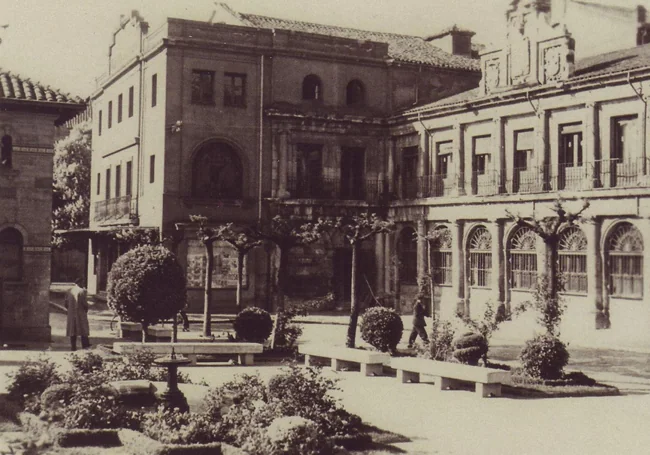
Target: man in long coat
<point>77,326</point>
<point>419,324</point>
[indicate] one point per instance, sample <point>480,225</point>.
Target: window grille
<point>572,256</point>
<point>480,258</point>
<point>523,259</point>
<point>441,258</point>
<point>625,262</point>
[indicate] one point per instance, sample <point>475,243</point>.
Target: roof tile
<point>403,48</point>
<point>14,87</point>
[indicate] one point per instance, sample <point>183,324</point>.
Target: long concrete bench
<point>244,351</point>
<point>371,362</point>
<point>447,375</point>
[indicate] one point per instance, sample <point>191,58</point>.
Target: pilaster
<point>595,284</point>
<point>380,262</point>
<point>499,155</point>
<point>458,262</point>
<point>498,264</point>
<point>459,159</point>
<point>421,250</point>
<point>391,166</point>
<point>591,154</point>
<point>543,150</point>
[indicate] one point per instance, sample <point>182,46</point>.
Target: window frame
<point>118,181</point>
<point>152,168</point>
<point>230,100</point>
<point>129,179</point>
<point>313,91</point>
<point>110,115</point>
<point>202,93</point>
<point>154,90</point>
<point>107,184</point>
<point>120,106</point>
<point>355,93</point>
<point>131,100</point>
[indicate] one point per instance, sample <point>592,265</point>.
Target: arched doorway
<point>217,172</point>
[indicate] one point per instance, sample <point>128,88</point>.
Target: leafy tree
<point>356,230</point>
<point>71,183</point>
<point>146,285</point>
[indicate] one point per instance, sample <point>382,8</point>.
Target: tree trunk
<point>240,273</point>
<point>207,297</point>
<point>552,267</point>
<point>144,333</point>
<point>432,294</point>
<point>175,329</point>
<point>283,273</point>
<point>354,305</point>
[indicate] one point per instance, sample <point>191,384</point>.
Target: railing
<point>334,188</point>
<point>115,209</point>
<point>536,179</point>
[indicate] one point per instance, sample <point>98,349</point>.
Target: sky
<point>64,43</point>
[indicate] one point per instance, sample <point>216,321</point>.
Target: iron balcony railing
<point>334,188</point>
<point>612,173</point>
<point>115,209</point>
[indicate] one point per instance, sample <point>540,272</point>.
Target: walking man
<point>419,323</point>
<point>77,305</point>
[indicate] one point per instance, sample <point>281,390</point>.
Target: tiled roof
<point>14,87</point>
<point>403,48</point>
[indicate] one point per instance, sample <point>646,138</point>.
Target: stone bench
<point>133,331</point>
<point>447,375</point>
<point>371,362</point>
<point>244,351</point>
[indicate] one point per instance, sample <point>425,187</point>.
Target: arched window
<point>11,255</point>
<point>625,261</point>
<point>217,172</point>
<point>312,88</point>
<point>441,261</point>
<point>523,259</point>
<point>407,252</point>
<point>6,150</point>
<point>572,255</point>
<point>480,258</point>
<point>355,93</point>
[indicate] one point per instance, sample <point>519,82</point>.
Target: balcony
<point>536,179</point>
<point>368,190</point>
<point>115,209</point>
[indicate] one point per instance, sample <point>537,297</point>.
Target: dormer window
<point>312,88</point>
<point>355,93</point>
<point>6,150</point>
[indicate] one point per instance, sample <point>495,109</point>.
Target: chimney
<point>454,40</point>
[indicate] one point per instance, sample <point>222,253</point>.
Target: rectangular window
<point>131,100</point>
<point>481,153</point>
<point>524,146</point>
<point>154,90</point>
<point>118,180</point>
<point>441,267</point>
<point>110,114</point>
<point>99,183</point>
<point>152,168</point>
<point>352,173</point>
<point>202,87</point>
<point>626,276</point>
<point>625,138</point>
<point>444,152</point>
<point>99,123</point>
<point>120,105</point>
<point>480,266</point>
<point>234,90</point>
<point>309,172</point>
<point>570,146</point>
<point>523,270</point>
<point>410,172</point>
<point>108,184</point>
<point>573,267</point>
<point>129,178</point>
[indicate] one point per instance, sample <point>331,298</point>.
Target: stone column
<point>498,263</point>
<point>380,262</point>
<point>421,250</point>
<point>390,171</point>
<point>591,155</point>
<point>389,272</point>
<point>423,164</point>
<point>595,285</point>
<point>459,159</point>
<point>543,150</point>
<point>283,156</point>
<point>499,156</point>
<point>458,264</point>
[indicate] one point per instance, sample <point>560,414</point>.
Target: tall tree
<point>243,240</point>
<point>71,184</point>
<point>207,235</point>
<point>548,228</point>
<point>356,230</point>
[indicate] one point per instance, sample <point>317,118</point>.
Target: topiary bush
<point>469,348</point>
<point>382,328</point>
<point>253,324</point>
<point>544,357</point>
<point>146,285</point>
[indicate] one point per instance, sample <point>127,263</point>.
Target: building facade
<point>217,117</point>
<point>28,115</point>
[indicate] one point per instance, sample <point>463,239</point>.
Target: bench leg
<point>308,360</point>
<point>487,390</point>
<point>193,358</point>
<point>372,369</point>
<point>444,383</point>
<point>338,365</point>
<point>406,376</point>
<point>246,359</point>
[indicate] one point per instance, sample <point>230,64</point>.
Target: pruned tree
<point>356,230</point>
<point>207,235</point>
<point>548,228</point>
<point>243,240</point>
<point>71,181</point>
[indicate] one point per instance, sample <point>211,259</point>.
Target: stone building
<point>214,117</point>
<point>545,123</point>
<point>29,113</point>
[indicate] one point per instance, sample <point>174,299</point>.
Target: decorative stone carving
<point>626,239</point>
<point>481,240</point>
<point>553,64</point>
<point>573,239</point>
<point>520,60</point>
<point>492,75</point>
<point>524,239</point>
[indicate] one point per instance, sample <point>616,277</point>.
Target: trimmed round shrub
<point>545,357</point>
<point>469,348</point>
<point>253,324</point>
<point>382,328</point>
<point>147,285</point>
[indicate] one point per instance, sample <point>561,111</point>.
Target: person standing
<point>419,323</point>
<point>76,303</point>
